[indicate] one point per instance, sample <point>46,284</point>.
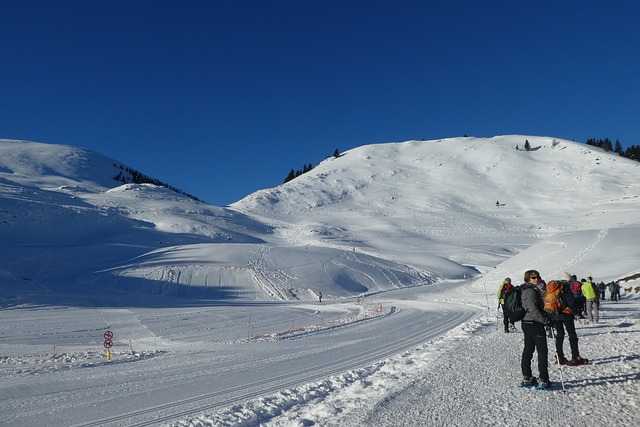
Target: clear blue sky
<point>222,98</point>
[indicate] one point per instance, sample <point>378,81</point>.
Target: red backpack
<point>506,288</point>
<point>576,288</point>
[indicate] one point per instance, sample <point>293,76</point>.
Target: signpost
<point>108,343</point>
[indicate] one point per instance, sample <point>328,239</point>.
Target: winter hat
<point>565,276</point>
<point>507,280</point>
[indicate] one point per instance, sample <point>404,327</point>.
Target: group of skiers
<point>614,290</point>
<point>550,308</point>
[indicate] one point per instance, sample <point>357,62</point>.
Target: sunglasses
<point>534,277</point>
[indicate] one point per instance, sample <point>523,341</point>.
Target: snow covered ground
<point>466,378</point>
<point>216,313</point>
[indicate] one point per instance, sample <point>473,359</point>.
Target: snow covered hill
<point>473,201</point>
<point>58,194</point>
<point>378,217</point>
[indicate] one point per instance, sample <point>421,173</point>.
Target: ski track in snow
<point>582,253</point>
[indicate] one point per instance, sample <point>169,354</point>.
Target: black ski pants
<point>569,325</point>
<point>505,320</point>
<point>535,338</point>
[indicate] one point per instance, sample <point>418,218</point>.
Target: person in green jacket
<point>590,293</point>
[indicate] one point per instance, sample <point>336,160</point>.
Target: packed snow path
<point>191,359</point>
<point>467,378</point>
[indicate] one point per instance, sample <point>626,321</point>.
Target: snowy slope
<point>48,166</point>
<point>215,311</point>
<point>415,200</point>
<point>423,207</point>
<point>64,196</point>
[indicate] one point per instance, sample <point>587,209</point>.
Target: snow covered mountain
<point>376,218</point>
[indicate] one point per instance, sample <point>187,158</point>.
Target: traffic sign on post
<point>108,343</point>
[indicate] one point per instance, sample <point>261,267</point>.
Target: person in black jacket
<point>562,321</point>
<point>504,289</point>
<point>533,327</point>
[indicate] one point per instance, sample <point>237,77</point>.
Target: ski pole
<point>486,297</point>
<point>553,333</point>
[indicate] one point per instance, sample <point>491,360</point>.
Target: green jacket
<point>588,290</point>
<point>500,296</point>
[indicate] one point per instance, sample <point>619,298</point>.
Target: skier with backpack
<point>578,298</point>
<point>505,288</point>
<point>602,288</point>
<point>558,303</point>
<point>614,288</point>
<point>535,337</point>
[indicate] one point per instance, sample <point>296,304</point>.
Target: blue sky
<point>222,98</point>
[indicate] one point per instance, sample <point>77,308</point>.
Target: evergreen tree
<point>527,146</point>
<point>633,152</point>
<point>291,175</point>
<point>618,147</point>
<point>336,153</point>
<point>294,174</point>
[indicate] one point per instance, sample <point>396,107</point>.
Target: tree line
<point>632,152</point>
<point>294,174</point>
<point>140,178</point>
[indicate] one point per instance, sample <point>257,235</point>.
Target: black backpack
<point>513,304</point>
